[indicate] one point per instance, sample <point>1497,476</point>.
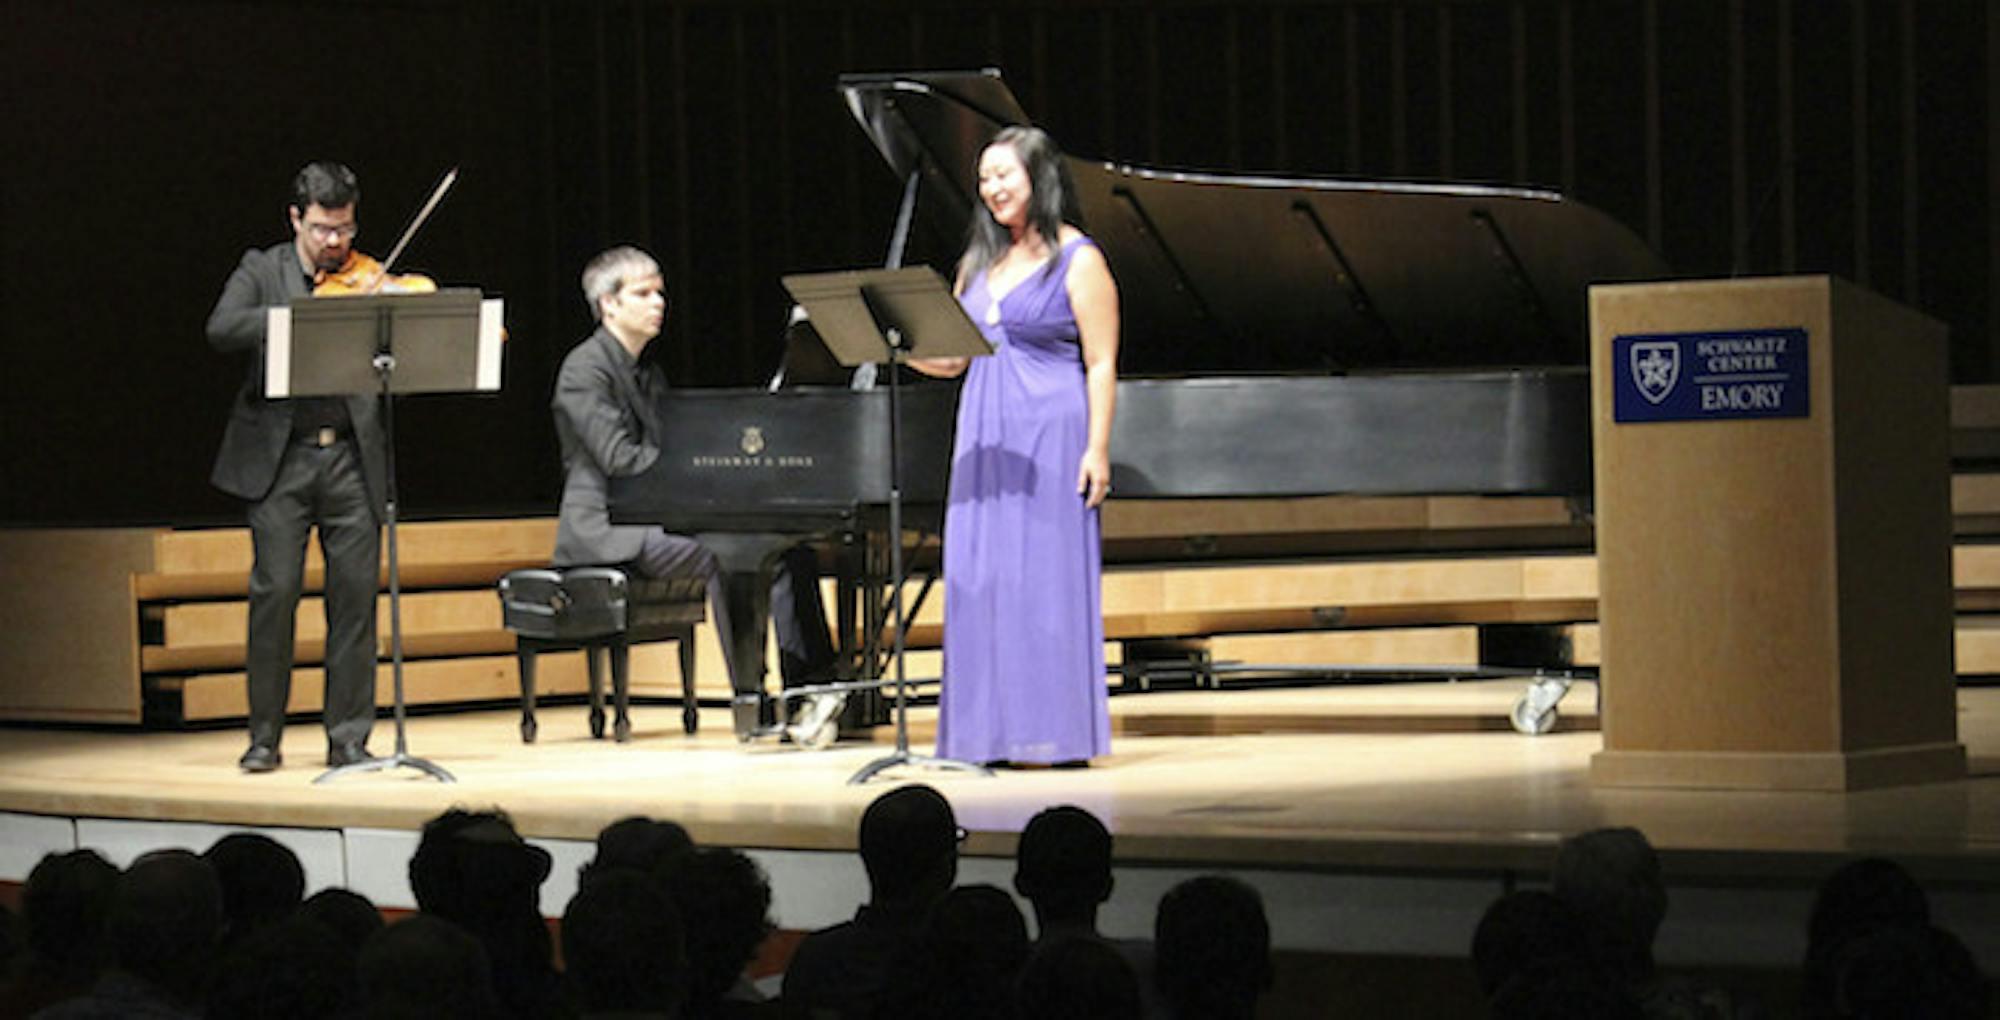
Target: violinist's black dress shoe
<point>260,759</point>
<point>347,754</point>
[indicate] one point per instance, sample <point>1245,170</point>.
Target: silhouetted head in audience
<point>1611,878</point>
<point>473,869</point>
<point>1212,949</point>
<point>472,865</point>
<point>1919,972</point>
<point>1572,989</point>
<point>262,881</point>
<point>1860,897</point>
<point>165,922</point>
<point>643,844</point>
<point>1079,978</point>
<point>967,961</point>
<point>1063,868</point>
<point>622,944</point>
<point>63,907</point>
<point>346,913</point>
<point>1521,930</point>
<point>909,847</point>
<point>424,967</point>
<point>1864,894</point>
<point>296,968</point>
<point>724,901</point>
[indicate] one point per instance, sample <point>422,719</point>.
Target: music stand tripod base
<point>384,764</point>
<point>904,757</point>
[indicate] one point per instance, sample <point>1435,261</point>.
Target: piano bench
<point>600,609</point>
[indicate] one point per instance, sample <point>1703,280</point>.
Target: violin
<point>361,274</point>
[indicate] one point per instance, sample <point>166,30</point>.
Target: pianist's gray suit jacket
<point>608,427</point>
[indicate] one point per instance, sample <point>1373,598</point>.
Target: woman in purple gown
<point>1024,633</point>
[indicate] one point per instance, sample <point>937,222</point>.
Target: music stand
<point>905,313</point>
<point>445,342</point>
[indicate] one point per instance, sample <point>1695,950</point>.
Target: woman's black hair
<point>1051,203</point>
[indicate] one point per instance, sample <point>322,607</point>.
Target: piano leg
<point>747,562</point>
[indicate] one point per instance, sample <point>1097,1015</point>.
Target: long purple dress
<point>1023,634</point>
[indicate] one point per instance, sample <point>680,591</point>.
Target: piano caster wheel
<point>1535,711</point>
<point>621,731</point>
<point>596,725</point>
<point>690,720</point>
<point>1530,722</point>
<point>528,730</point>
<point>818,727</point>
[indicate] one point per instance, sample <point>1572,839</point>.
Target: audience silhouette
<point>473,869</point>
<point>660,928</point>
<point>966,962</point>
<point>1080,979</point>
<point>724,901</point>
<point>909,848</point>
<point>1611,879</point>
<point>292,967</point>
<point>161,932</point>
<point>262,882</point>
<point>1211,949</point>
<point>622,942</point>
<point>63,906</point>
<point>424,967</point>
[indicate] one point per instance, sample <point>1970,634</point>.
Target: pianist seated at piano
<point>608,424</point>
<point>1023,631</point>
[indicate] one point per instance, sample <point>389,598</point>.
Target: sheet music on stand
<point>324,347</point>
<point>443,342</point>
<point>872,315</point>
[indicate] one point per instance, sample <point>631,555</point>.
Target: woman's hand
<point>1093,476</point>
<point>942,368</point>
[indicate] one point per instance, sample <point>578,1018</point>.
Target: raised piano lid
<point>1236,273</point>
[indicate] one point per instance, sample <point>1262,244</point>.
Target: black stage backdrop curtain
<point>147,142</point>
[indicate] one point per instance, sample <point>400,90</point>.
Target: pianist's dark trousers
<point>805,649</point>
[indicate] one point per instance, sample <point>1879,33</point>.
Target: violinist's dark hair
<point>1052,203</point>
<point>325,183</point>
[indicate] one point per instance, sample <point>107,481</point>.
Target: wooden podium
<point>1773,537</point>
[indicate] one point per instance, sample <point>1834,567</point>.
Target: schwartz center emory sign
<point>1745,373</point>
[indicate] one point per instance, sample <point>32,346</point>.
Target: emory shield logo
<point>1656,367</point>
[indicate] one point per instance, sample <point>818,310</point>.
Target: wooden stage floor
<point>1399,777</point>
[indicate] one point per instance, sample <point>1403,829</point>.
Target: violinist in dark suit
<point>303,463</point>
<point>607,422</point>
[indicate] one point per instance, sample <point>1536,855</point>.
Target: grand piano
<point>1281,337</point>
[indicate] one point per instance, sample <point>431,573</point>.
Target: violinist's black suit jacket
<point>254,441</point>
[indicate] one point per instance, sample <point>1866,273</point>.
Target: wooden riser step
<point>216,563</point>
<point>213,697</point>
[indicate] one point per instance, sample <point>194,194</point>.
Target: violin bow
<point>423,214</point>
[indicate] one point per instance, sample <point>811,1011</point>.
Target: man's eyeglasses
<point>333,231</point>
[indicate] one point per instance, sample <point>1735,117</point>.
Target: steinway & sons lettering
<point>744,461</point>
